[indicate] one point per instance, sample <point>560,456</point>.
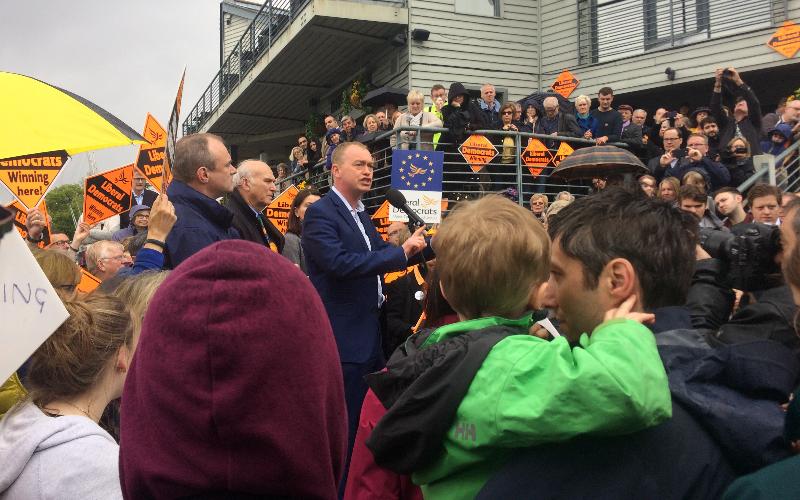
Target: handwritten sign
<point>478,151</point>
<point>278,210</point>
<point>786,40</point>
<point>565,83</point>
<point>21,217</point>
<point>29,306</point>
<point>29,177</point>
<point>150,160</point>
<point>107,194</point>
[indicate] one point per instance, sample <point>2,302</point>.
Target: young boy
<point>777,140</point>
<point>462,397</point>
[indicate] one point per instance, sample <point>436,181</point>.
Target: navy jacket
<point>345,273</point>
<point>201,223</point>
<point>610,124</point>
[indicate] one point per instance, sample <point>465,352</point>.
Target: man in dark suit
<point>254,189</point>
<point>346,259</point>
<point>139,196</point>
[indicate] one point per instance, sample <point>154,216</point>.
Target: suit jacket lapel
<point>344,212</point>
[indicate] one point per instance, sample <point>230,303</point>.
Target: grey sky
<point>124,56</point>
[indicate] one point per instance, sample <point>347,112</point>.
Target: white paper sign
<point>30,310</point>
<point>427,204</point>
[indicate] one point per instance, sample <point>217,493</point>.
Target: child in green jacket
<point>461,398</point>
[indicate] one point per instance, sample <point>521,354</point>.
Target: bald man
<point>254,189</point>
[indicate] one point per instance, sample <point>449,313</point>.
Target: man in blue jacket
<point>346,259</point>
<point>202,173</point>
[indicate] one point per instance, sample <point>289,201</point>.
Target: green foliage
<point>314,125</point>
<point>59,201</point>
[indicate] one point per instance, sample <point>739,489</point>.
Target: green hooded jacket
<point>529,391</point>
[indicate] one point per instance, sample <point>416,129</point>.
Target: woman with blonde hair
<point>50,443</point>
<point>415,117</point>
<point>668,189</point>
<point>371,123</point>
<point>299,162</point>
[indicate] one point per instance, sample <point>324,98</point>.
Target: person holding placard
<point>50,443</point>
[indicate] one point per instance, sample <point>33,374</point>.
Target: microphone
<point>398,201</point>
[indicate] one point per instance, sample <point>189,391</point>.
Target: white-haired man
<point>254,189</point>
<point>104,258</point>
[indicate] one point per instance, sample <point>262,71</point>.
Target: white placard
<point>30,310</point>
<point>427,204</point>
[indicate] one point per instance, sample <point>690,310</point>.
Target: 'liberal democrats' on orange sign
<point>478,151</point>
<point>108,194</point>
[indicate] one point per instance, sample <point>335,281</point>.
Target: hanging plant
<point>354,93</point>
<point>315,127</point>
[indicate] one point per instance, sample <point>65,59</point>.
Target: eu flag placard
<point>418,175</point>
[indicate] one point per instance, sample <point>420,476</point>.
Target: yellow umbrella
<point>36,117</point>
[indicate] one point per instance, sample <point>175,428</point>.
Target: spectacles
<point>393,233</point>
<point>62,242</point>
<point>672,138</point>
<point>695,146</point>
<point>118,258</point>
<point>142,217</point>
<point>508,112</point>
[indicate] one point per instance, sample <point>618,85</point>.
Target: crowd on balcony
<point>637,342</point>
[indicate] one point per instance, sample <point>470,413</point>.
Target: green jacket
<point>529,391</point>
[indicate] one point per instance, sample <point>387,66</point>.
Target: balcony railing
<point>612,29</point>
<point>274,17</point>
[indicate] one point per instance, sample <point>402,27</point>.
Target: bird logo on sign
<point>156,136</point>
<point>121,179</point>
<point>415,170</point>
<point>427,202</point>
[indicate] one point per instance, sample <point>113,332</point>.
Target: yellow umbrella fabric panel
<point>37,117</point>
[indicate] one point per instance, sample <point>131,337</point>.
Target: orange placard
<point>381,220</point>
<point>478,151</point>
<point>108,194</point>
<point>29,177</point>
<point>150,160</point>
<point>278,210</point>
<point>564,150</point>
<point>88,282</point>
<point>172,136</point>
<point>565,83</point>
<point>21,216</point>
<point>786,40</point>
<point>536,154</point>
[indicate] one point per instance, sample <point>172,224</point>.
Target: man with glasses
<point>104,258</point>
<point>139,216</point>
<point>696,159</point>
<point>139,196</point>
<point>554,122</point>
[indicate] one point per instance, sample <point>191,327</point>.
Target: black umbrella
<point>563,103</point>
<point>379,97</point>
<point>598,162</point>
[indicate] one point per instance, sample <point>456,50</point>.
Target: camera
<point>726,154</point>
<point>726,73</point>
<point>749,252</point>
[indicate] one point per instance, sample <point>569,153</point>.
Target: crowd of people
<point>619,345</point>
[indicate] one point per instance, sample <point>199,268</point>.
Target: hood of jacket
<point>736,392</point>
<point>25,429</point>
<point>458,89</point>
<point>783,128</point>
<point>135,209</point>
<point>532,102</point>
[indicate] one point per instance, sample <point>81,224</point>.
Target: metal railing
<point>782,170</point>
<point>271,21</point>
<point>611,29</point>
<point>460,181</point>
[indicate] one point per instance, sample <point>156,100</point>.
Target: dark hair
<point>434,305</point>
<point>727,189</point>
<point>137,242</point>
<point>761,190</point>
<point>692,192</point>
<point>657,238</point>
<point>294,225</point>
<point>705,121</point>
<point>606,91</point>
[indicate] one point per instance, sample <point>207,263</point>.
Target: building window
<point>488,8</point>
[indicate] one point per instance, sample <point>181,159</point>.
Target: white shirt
<point>354,213</point>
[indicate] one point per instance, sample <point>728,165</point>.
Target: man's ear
<point>618,280</point>
<point>202,175</point>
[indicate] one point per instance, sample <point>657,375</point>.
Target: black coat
<point>148,198</point>
<point>750,126</point>
<point>247,224</point>
<point>402,311</point>
<point>632,135</point>
<point>459,120</point>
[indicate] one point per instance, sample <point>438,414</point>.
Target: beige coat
<point>428,120</point>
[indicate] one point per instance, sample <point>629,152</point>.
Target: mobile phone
<point>680,153</point>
